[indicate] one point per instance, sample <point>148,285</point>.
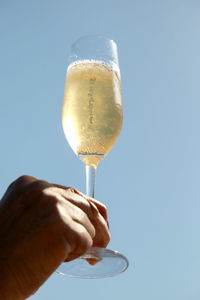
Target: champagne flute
<point>92,119</point>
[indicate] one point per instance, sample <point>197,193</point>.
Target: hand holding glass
<point>92,119</point>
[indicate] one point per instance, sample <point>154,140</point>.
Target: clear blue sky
<point>150,181</point>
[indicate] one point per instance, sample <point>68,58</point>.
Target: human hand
<point>42,225</point>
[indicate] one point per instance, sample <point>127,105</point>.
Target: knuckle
<point>70,189</point>
<point>49,197</point>
<point>38,188</point>
<point>104,210</point>
<point>101,208</point>
<point>19,186</point>
<point>19,181</point>
<point>39,184</point>
<point>42,196</point>
<point>74,191</point>
<point>23,179</point>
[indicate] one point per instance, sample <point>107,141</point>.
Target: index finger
<point>101,207</point>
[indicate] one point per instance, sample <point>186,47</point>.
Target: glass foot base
<point>95,263</point>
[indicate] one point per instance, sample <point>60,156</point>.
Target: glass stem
<point>90,180</point>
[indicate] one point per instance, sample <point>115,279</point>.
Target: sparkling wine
<point>92,109</point>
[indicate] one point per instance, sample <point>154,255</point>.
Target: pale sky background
<point>150,181</point>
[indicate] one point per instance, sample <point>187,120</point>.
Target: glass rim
<point>99,48</point>
<point>94,36</point>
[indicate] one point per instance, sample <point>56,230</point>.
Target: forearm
<point>10,295</point>
<point>9,289</point>
<point>10,264</point>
